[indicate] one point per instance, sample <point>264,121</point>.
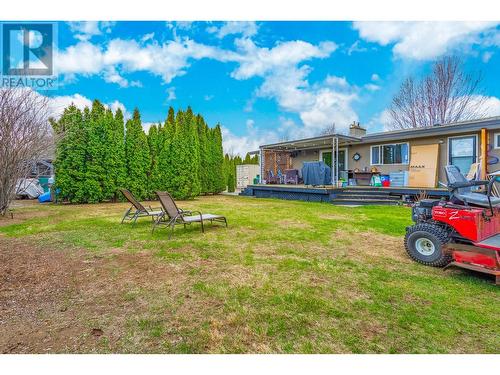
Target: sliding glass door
<point>462,152</point>
<point>326,156</point>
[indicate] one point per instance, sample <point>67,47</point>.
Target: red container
<point>386,183</point>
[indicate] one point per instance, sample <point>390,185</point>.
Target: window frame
<point>476,151</point>
<point>380,153</point>
<point>496,145</point>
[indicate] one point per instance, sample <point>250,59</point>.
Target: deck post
<point>483,160</point>
<point>336,161</point>
<point>261,164</point>
<point>333,154</point>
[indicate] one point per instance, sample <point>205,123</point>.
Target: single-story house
<point>418,154</point>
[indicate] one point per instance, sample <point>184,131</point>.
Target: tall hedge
<point>137,157</point>
<point>98,153</point>
<point>70,162</point>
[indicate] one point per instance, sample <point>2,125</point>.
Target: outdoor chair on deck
<point>137,209</point>
<point>291,176</point>
<point>173,215</point>
<point>272,179</point>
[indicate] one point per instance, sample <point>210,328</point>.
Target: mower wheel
<point>424,244</point>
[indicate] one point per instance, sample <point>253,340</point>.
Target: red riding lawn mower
<point>463,231</point>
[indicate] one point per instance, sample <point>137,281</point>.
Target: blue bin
<point>45,197</point>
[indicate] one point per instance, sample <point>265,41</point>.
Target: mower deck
<point>476,269</point>
<point>481,256</point>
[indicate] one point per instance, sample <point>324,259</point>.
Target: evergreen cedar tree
<point>98,153</point>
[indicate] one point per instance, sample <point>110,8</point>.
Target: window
<point>395,153</point>
<point>462,152</point>
<point>497,140</point>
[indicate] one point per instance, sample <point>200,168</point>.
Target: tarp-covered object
<point>29,187</point>
<point>316,173</point>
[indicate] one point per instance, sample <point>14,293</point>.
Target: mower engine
<point>422,210</point>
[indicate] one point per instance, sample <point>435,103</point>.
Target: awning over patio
<point>311,143</point>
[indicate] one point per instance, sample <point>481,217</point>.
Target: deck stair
<point>365,196</point>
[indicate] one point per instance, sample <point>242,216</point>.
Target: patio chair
<point>137,210</point>
<point>291,176</point>
<point>271,178</point>
<point>173,215</point>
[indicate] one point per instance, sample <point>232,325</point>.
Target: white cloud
<point>112,76</point>
<point>256,61</point>
<point>82,58</point>
<point>318,106</point>
<point>240,145</point>
<point>375,77</point>
<point>147,125</point>
<point>285,77</point>
<point>171,94</point>
<point>286,81</point>
<point>422,40</point>
<point>250,123</point>
<point>167,60</point>
<point>245,28</point>
<point>208,97</point>
<point>329,106</point>
<point>85,30</point>
<point>380,122</point>
<point>147,37</point>
<point>355,47</point>
<point>57,104</point>
<point>487,56</point>
<point>491,104</point>
<point>372,87</point>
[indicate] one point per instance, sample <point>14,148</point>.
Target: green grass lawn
<point>284,277</point>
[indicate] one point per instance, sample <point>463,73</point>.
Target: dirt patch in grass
<point>360,244</point>
<point>60,301</point>
<point>290,224</point>
<point>20,216</point>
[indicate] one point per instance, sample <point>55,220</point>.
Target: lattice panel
<point>276,160</point>
<point>290,195</point>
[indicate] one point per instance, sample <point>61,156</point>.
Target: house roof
<point>462,127</point>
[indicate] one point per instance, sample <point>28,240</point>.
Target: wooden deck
<point>346,195</point>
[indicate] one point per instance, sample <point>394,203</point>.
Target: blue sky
<point>264,81</point>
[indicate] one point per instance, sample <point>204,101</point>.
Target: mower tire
<point>424,244</point>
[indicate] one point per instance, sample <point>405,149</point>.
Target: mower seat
<point>465,193</point>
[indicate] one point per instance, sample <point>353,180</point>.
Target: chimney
<point>355,130</point>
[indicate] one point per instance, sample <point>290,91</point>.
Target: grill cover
<point>316,173</point>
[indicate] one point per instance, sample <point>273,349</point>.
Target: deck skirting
<point>348,195</point>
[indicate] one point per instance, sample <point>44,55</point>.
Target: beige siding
<point>364,151</point>
<point>304,156</point>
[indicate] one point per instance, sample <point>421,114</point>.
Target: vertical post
<point>261,164</point>
<point>333,155</point>
<point>336,160</point>
<point>484,154</point>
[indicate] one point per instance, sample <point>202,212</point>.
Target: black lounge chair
<point>173,215</point>
<point>137,209</point>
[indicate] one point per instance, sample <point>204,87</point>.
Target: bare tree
<point>25,137</point>
<point>448,94</point>
<point>329,130</point>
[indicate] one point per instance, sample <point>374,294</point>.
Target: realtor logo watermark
<point>28,55</point>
